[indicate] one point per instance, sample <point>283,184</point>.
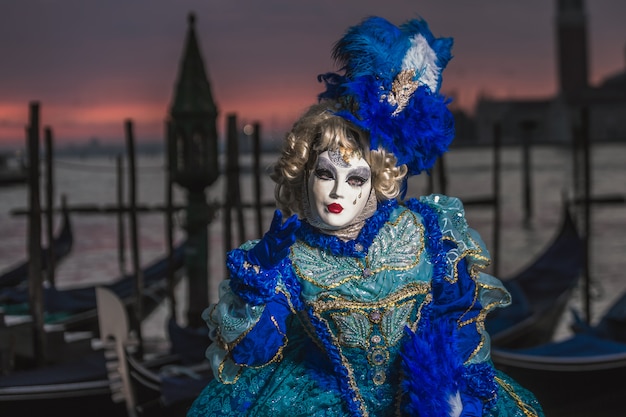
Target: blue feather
<point>431,371</point>
<point>371,55</point>
<point>375,47</point>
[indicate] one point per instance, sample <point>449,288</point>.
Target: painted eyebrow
<point>324,163</point>
<point>362,172</point>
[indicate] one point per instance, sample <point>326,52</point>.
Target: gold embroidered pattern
<point>474,253</point>
<point>220,371</point>
<point>526,409</point>
<point>395,320</point>
<point>354,329</point>
<point>355,321</point>
<point>427,300</point>
<point>373,327</point>
<point>409,291</point>
<point>351,380</point>
<point>398,247</point>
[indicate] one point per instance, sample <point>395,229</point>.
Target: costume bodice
<point>366,302</point>
<point>394,259</point>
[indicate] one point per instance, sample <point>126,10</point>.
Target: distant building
<point>552,118</point>
<point>465,128</point>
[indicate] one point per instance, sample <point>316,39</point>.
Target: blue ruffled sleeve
<point>248,323</point>
<point>451,348</point>
<point>467,294</point>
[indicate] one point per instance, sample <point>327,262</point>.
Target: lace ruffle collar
<point>357,247</point>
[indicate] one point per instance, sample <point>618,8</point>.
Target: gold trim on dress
<point>346,364</point>
<point>410,290</point>
<point>528,410</point>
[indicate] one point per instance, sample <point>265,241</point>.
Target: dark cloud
<point>118,51</point>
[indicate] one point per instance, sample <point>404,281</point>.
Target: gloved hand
<point>274,246</point>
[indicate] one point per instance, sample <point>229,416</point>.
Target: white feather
<point>456,406</point>
<point>423,59</point>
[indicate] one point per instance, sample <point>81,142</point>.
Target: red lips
<point>335,208</point>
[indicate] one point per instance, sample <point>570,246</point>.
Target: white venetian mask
<point>338,189</point>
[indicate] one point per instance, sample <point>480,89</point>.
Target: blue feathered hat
<point>390,88</point>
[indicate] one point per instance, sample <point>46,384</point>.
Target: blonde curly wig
<point>318,130</point>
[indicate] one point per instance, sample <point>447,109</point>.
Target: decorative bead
<point>379,377</point>
<point>378,357</point>
<point>375,316</point>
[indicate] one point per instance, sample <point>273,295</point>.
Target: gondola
<point>611,326</point>
<point>62,246</point>
<point>74,311</point>
<point>540,292</point>
<point>167,385</point>
<point>160,384</point>
<point>78,381</point>
<point>580,376</point>
<point>13,170</point>
<point>70,388</point>
<point>75,308</point>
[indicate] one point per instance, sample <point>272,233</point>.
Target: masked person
<point>360,303</point>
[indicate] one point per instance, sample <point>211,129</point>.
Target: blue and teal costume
<point>390,323</point>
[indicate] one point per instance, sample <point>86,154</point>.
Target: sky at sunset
<point>93,64</point>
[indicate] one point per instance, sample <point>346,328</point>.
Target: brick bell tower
<point>571,36</point>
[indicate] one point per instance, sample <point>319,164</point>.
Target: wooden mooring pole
<point>528,127</point>
<point>35,281</point>
<point>442,174</point>
<point>50,269</point>
<point>256,153</point>
<point>134,231</point>
<point>586,150</point>
<point>121,227</point>
<point>437,174</point>
<point>233,192</point>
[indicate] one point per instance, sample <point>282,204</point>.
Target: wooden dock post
<point>134,230</point>
<point>442,174</point>
<point>256,176</point>
<point>586,155</point>
<point>528,127</point>
<point>50,269</point>
<point>35,281</point>
<point>121,227</point>
<point>233,192</point>
<point>437,175</point>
